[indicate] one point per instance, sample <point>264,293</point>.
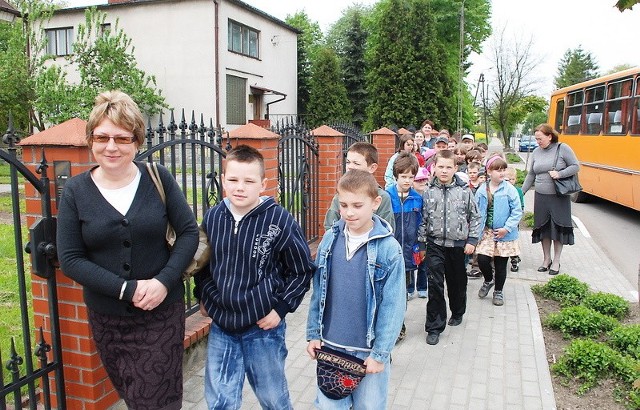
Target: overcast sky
<point>554,25</point>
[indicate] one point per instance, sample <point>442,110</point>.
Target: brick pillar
<point>87,385</point>
<point>266,142</point>
<point>330,168</point>
<point>385,140</point>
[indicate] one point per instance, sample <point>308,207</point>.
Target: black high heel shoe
<point>545,268</point>
<point>554,272</point>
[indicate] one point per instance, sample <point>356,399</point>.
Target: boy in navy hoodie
<point>259,271</point>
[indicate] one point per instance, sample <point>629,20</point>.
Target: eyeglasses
<point>118,139</point>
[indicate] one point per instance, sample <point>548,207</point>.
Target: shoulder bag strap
<point>555,162</point>
<point>155,177</point>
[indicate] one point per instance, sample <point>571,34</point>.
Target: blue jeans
<point>258,353</point>
<point>421,276</point>
<point>370,394</point>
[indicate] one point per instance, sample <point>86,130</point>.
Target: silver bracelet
<point>124,286</point>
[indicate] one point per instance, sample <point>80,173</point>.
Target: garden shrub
<point>528,219</point>
<point>607,304</point>
<point>626,339</point>
<point>513,158</point>
<point>587,361</point>
<point>563,288</point>
<point>580,321</point>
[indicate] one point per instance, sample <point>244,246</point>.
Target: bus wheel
<point>580,197</point>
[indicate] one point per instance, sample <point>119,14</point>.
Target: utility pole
<point>460,70</point>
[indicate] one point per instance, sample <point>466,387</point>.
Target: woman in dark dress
<point>111,240</point>
<point>552,212</point>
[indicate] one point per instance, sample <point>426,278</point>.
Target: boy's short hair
<point>511,171</point>
<point>460,149</point>
<point>405,162</point>
<point>474,165</point>
<point>247,155</point>
<point>367,150</point>
<point>445,154</point>
<point>356,181</point>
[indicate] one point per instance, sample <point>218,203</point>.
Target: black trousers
<point>445,264</point>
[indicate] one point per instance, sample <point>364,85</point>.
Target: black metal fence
<point>298,175</point>
<point>28,365</point>
<point>193,154</point>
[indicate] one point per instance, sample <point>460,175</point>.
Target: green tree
<point>328,96</point>
<point>406,80</point>
<point>575,67</point>
<point>623,5</point>
<point>477,28</point>
<point>619,67</point>
<point>105,61</point>
<point>14,77</point>
<point>20,60</point>
<point>309,40</point>
<point>532,120</point>
<point>353,65</point>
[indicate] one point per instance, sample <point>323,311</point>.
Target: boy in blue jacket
<point>358,302</point>
<point>259,271</point>
<point>406,204</point>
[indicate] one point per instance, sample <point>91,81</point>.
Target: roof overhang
<point>256,89</point>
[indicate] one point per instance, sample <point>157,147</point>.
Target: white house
<point>222,58</point>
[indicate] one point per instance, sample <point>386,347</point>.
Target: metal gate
<point>29,366</point>
<point>193,155</point>
<point>298,175</point>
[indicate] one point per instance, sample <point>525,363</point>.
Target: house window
<point>59,41</point>
<point>236,100</point>
<point>243,39</point>
<point>105,29</point>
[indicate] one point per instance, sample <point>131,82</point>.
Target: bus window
<point>617,107</point>
<point>594,107</point>
<point>574,112</point>
<point>635,111</point>
<point>557,124</point>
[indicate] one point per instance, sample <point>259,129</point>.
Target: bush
<point>528,219</point>
<point>580,321</point>
<point>626,339</point>
<point>521,174</point>
<point>607,304</point>
<point>513,158</point>
<point>563,288</point>
<point>588,361</point>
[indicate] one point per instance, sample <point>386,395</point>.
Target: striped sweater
<point>259,264</point>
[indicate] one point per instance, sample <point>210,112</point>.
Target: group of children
<point>363,275</point>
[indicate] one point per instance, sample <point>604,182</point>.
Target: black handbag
<point>565,186</point>
<point>338,373</point>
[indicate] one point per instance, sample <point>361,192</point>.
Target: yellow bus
<point>600,120</point>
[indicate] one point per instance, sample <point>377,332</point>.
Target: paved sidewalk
<point>494,360</point>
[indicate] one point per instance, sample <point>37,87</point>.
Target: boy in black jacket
<point>259,271</point>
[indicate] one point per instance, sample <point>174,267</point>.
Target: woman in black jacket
<point>111,240</point>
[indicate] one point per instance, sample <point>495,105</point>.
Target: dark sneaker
<point>403,334</point>
<point>474,274</point>
<point>454,321</point>
<point>498,298</point>
<point>484,290</point>
<point>514,265</point>
<point>433,338</point>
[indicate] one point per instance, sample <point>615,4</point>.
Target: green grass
<point>513,158</point>
<point>6,204</point>
<point>10,319</point>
